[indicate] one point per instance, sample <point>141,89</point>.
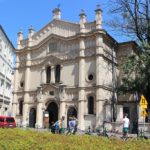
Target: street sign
<point>143,102</point>
<point>144,113</point>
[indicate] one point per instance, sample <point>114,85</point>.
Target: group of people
<point>59,126</point>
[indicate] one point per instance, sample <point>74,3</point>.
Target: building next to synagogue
<point>68,69</point>
<point>6,73</point>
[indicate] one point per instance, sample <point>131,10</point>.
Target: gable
<point>56,27</point>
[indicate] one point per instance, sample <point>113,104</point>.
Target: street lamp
<point>114,117</point>
<point>136,112</point>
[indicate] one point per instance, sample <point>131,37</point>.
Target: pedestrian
<point>56,125</point>
<point>71,126</point>
<point>52,127</point>
<point>126,123</point>
<point>76,124</point>
<point>62,125</point>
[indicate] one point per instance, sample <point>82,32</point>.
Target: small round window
<point>90,77</point>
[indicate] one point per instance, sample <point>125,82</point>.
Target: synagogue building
<point>69,69</point>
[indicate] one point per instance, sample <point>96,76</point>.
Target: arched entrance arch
<point>71,112</point>
<point>53,112</point>
<point>32,118</point>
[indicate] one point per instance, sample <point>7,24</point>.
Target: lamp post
<point>136,112</point>
<point>114,117</point>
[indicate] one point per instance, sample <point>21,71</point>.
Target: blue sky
<point>20,14</point>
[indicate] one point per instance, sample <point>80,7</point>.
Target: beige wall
<point>69,74</point>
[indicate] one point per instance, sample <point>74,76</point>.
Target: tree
<point>133,19</point>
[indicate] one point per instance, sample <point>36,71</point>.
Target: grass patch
<point>18,139</point>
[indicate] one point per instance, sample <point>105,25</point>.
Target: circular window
<point>90,77</point>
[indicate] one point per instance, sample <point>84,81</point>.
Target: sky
<point>21,14</point>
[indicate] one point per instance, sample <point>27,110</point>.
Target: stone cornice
<point>23,92</point>
<point>100,100</point>
<point>105,87</point>
<point>75,37</point>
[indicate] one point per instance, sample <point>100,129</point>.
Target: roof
<point>6,36</point>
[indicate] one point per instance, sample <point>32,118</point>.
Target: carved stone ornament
<point>39,95</point>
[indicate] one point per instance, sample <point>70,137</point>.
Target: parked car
<point>7,122</point>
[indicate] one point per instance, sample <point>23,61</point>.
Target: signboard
<point>144,113</point>
<point>143,102</point>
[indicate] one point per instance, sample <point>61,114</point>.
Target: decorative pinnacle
<point>82,13</point>
<point>58,6</point>
<point>31,27</point>
<point>20,31</point>
<point>98,6</point>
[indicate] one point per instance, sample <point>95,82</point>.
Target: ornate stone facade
<point>65,69</point>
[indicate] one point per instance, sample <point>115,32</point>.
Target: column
<point>81,92</point>
<point>100,70</point>
<point>100,74</point>
<point>52,74</point>
<point>16,84</point>
<point>62,108</point>
<point>81,101</point>
<point>25,118</point>
<point>14,105</point>
<point>39,115</point>
<point>43,76</point>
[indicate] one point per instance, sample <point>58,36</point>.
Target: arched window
<point>48,74</point>
<point>57,73</point>
<point>20,107</point>
<point>90,105</point>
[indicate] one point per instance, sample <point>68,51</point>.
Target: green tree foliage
<point>133,19</point>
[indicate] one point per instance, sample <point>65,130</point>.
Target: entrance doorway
<point>32,118</point>
<point>71,112</point>
<point>53,112</point>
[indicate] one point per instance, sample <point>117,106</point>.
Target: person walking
<point>76,124</point>
<point>126,123</point>
<point>62,125</point>
<point>71,126</point>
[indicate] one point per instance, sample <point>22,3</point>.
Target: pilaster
<point>62,108</point>
<point>52,74</point>
<point>26,90</point>
<point>100,94</point>
<point>16,84</point>
<point>14,105</point>
<point>43,76</point>
<point>25,117</point>
<point>39,118</point>
<point>81,94</point>
<point>62,97</point>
